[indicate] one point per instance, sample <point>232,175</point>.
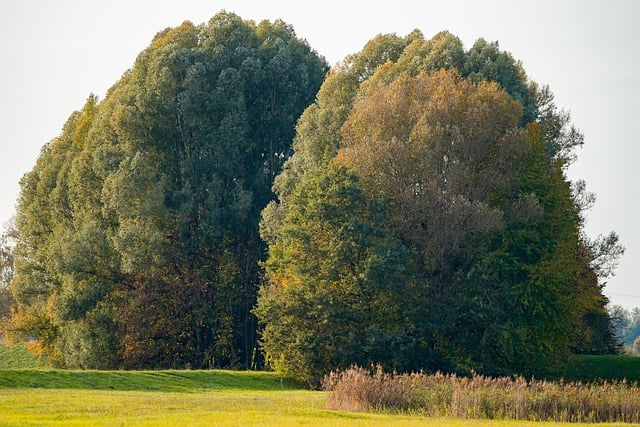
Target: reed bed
<point>440,395</point>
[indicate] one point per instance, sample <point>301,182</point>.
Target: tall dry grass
<point>358,389</point>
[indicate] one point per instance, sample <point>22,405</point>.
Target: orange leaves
<point>28,323</point>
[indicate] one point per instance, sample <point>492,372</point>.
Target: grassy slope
<point>165,381</point>
<point>580,368</point>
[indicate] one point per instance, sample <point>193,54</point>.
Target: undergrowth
<point>18,357</point>
<point>440,395</point>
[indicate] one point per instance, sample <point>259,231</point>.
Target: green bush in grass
<point>18,357</point>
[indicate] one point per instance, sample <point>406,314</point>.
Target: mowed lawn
<point>181,398</point>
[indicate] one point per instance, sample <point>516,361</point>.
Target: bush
<point>18,357</point>
<point>358,389</point>
<point>590,368</point>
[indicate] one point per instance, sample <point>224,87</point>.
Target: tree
<point>485,61</point>
<point>626,325</point>
<point>7,302</point>
<point>632,331</point>
<point>467,160</point>
<point>338,283</point>
<point>139,241</point>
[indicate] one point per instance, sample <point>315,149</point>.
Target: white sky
<point>53,54</point>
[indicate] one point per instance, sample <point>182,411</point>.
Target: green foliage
<point>485,61</point>
<point>598,368</point>
<point>424,218</point>
<point>462,160</point>
<point>336,279</point>
<point>139,242</point>
<point>7,301</point>
<point>626,324</point>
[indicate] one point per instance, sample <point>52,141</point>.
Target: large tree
<point>139,242</point>
<point>457,163</point>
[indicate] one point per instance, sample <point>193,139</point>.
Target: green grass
<point>44,407</point>
<point>46,397</point>
<point>164,381</point>
<point>18,357</point>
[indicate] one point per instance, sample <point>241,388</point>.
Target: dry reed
<point>358,389</point>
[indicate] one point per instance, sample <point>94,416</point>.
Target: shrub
<point>18,357</point>
<point>358,389</point>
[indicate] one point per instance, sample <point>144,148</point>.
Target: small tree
<point>338,290</point>
<point>7,301</point>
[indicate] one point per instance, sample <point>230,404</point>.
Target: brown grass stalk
<point>358,389</point>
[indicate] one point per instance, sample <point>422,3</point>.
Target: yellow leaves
<point>85,120</point>
<point>287,279</point>
<point>442,99</point>
<point>184,34</point>
<point>36,347</point>
<point>33,326</point>
<point>534,134</point>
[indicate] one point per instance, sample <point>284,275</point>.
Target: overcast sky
<point>53,54</point>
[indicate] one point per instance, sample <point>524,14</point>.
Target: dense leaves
<point>7,301</point>
<point>139,241</point>
<point>457,164</point>
<point>423,218</point>
<point>336,281</point>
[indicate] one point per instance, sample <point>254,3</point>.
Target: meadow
<point>194,398</point>
<point>51,397</point>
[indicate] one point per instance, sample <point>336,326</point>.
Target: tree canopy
<point>425,221</point>
<point>138,226</point>
<point>409,208</point>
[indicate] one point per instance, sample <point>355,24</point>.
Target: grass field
<point>38,396</point>
<point>253,408</point>
<point>46,397</point>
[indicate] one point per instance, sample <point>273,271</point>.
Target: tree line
<point>232,202</point>
<point>627,327</point>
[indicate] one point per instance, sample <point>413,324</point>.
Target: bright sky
<point>53,54</point>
